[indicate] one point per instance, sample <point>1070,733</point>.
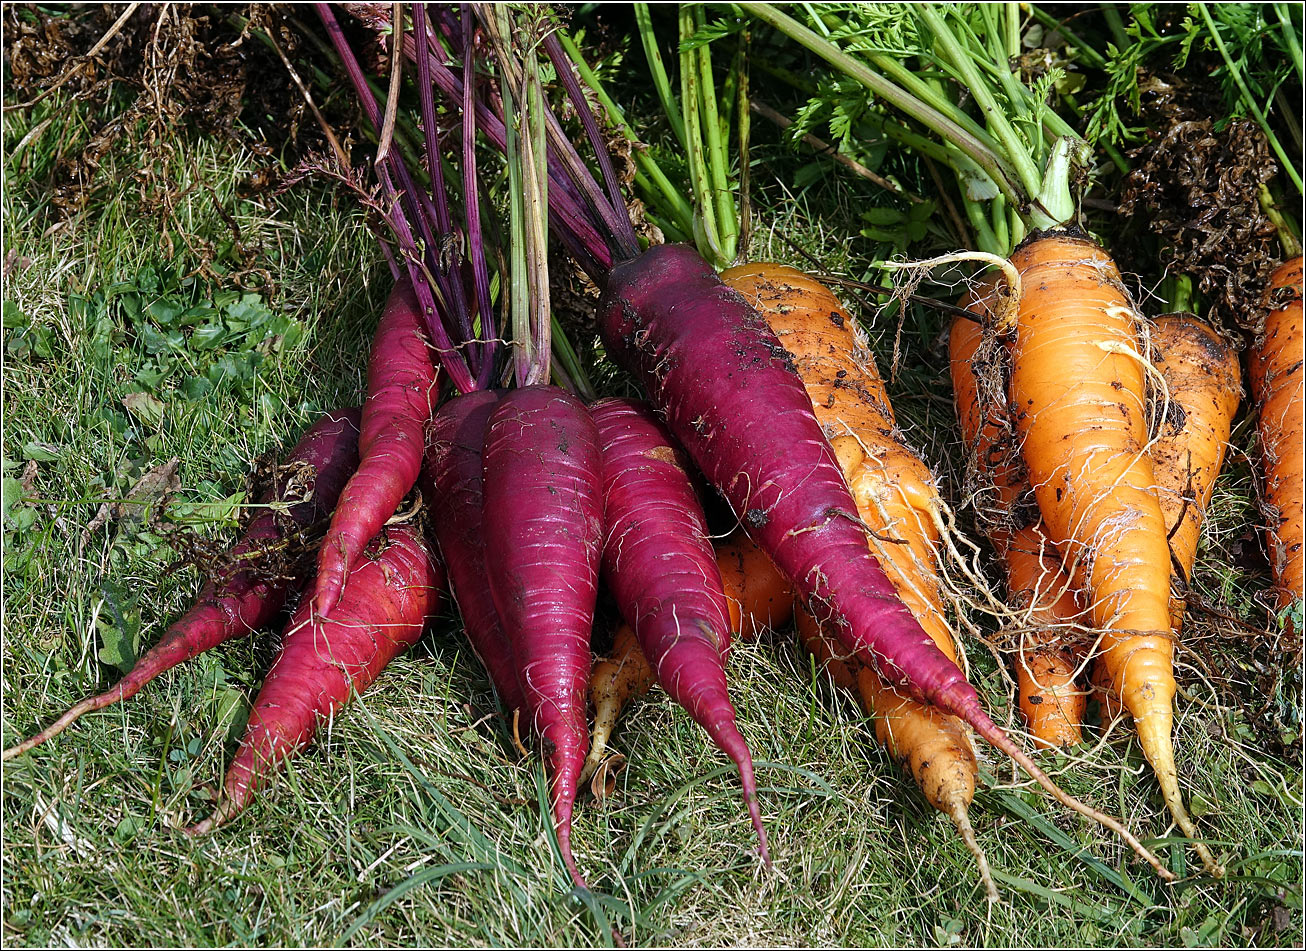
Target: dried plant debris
<point>1196,187</point>
<point>155,68</point>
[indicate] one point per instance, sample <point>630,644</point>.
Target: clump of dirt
<point>164,67</point>
<point>1196,187</point>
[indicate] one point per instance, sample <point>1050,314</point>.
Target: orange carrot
<point>1200,369</point>
<point>898,501</point>
<point>1079,395</point>
<point>1038,585</point>
<point>1276,375</point>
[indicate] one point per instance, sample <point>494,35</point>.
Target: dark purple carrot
<point>543,536</point>
<point>659,563</point>
<point>401,396</point>
<point>731,396</point>
<point>451,486</point>
<point>324,662</point>
<point>322,460</point>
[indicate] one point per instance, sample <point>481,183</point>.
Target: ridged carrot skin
<point>757,597</point>
<point>322,461</point>
<point>324,662</point>
<point>732,398</point>
<point>1038,585</point>
<point>543,517</point>
<point>451,484</point>
<point>659,564</point>
<point>401,397</point>
<point>899,503</point>
<point>1276,372</point>
<point>1202,378</point>
<point>1079,395</point>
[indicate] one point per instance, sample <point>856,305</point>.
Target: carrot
<point>732,398</point>
<point>401,395</point>
<point>1078,392</point>
<point>324,662</point>
<point>757,597</point>
<point>1275,367</point>
<point>1038,585</point>
<point>899,504</point>
<point>452,483</point>
<point>543,525</point>
<point>1202,383</point>
<point>1200,370</point>
<point>317,468</point>
<point>659,564</point>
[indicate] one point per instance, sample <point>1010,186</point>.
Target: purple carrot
<point>323,663</point>
<point>401,397</point>
<point>451,484</point>
<point>732,398</point>
<point>543,539</point>
<point>327,454</point>
<point>659,563</point>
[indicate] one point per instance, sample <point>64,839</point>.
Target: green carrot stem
<point>518,291</point>
<point>914,83</point>
<point>987,158</point>
<point>1289,164</point>
<point>1282,226</point>
<point>705,225</point>
<point>536,179</point>
<point>727,218</point>
<point>994,115</point>
<point>644,21</point>
<point>1291,36</point>
<point>1116,25</point>
<point>1011,21</point>
<point>565,354</point>
<point>745,118</point>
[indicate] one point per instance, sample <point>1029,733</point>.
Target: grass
<point>411,821</point>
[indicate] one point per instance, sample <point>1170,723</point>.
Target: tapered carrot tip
<point>59,725</point>
<point>991,732</point>
<point>1154,737</point>
<point>960,817</point>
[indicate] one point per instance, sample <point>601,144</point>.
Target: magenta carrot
<point>324,662</point>
<point>731,396</point>
<point>659,563</point>
<point>401,396</point>
<point>543,518</point>
<point>451,485</point>
<point>321,462</point>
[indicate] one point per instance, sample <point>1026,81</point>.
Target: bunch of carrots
<point>1096,437</point>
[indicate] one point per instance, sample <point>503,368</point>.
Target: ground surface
<point>212,329</point>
